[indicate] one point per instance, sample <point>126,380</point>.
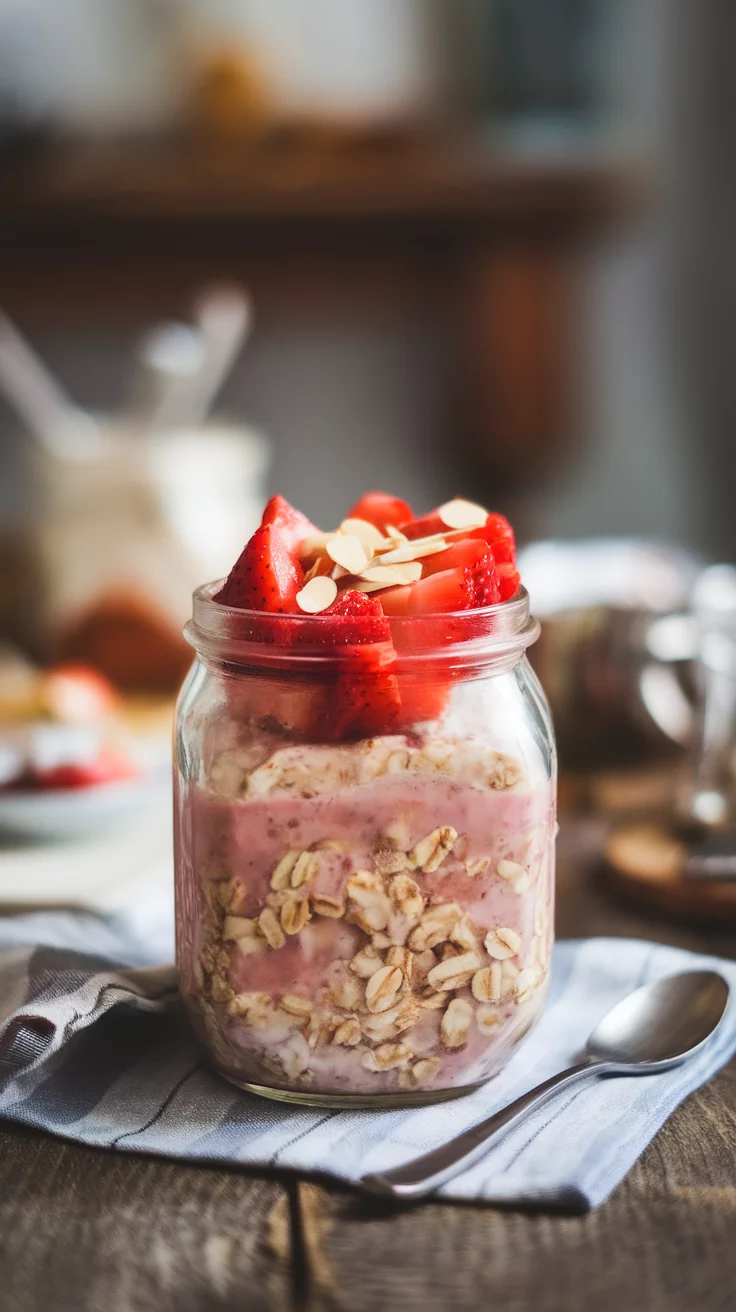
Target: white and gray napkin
<point>95,1046</point>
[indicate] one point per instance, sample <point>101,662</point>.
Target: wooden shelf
<point>479,233</point>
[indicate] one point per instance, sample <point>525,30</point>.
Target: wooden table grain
<point>83,1230</point>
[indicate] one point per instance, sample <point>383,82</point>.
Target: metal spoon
<point>656,1027</point>
<point>61,429</point>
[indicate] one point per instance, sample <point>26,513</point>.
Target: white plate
<point>124,867</point>
<point>74,812</point>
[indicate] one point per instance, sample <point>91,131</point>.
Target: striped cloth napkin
<point>95,1046</point>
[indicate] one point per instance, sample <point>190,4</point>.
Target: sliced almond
<point>361,585</point>
<point>314,545</point>
<point>459,513</point>
<point>390,576</point>
<point>366,533</point>
<point>322,565</point>
<point>317,595</point>
<point>412,551</point>
<point>347,550</point>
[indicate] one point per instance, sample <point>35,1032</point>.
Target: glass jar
<point>364,915</point>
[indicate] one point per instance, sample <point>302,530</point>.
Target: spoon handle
<point>424,1174</point>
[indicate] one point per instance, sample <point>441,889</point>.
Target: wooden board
<point>646,863</point>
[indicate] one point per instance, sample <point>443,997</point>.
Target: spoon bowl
<point>658,1025</point>
<point>661,1023</point>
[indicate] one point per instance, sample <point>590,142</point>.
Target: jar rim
<point>468,638</point>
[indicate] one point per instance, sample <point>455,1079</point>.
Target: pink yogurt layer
<point>246,839</point>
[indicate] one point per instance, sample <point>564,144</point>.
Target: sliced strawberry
<point>463,553</point>
<point>424,527</point>
<point>291,523</point>
<point>356,618</point>
<point>109,767</point>
<point>496,532</point>
<point>381,509</point>
<point>396,601</point>
<point>366,697</point>
<point>266,576</point>
<point>508,581</point>
<point>499,535</point>
<point>421,701</point>
<point>447,591</point>
<point>482,580</point>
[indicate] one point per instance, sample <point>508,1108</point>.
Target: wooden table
<point>83,1230</point>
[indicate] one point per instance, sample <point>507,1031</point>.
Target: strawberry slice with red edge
<point>293,526</point>
<point>381,510</point>
<point>482,580</point>
<point>366,695</point>
<point>499,535</point>
<point>356,618</point>
<point>427,526</point>
<point>448,590</point>
<point>266,576</point>
<point>509,580</point>
<point>110,766</point>
<point>463,553</point>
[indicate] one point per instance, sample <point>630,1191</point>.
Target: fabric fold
<point>95,1046</point>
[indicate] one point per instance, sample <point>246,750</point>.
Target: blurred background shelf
<point>294,201</point>
<point>484,233</point>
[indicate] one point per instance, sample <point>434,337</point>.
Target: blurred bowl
<point>63,814</point>
<point>612,700</point>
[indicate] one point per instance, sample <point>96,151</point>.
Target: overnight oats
<point>365,808</point>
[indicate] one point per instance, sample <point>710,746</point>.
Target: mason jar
<point>365,914</point>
